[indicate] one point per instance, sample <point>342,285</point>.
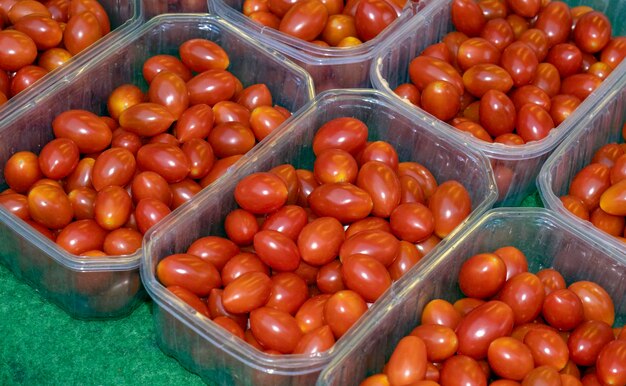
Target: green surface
<point>41,345</point>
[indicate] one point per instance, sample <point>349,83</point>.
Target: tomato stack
<point>39,37</point>
<point>513,327</point>
<point>596,193</point>
<point>512,72</point>
<point>291,223</point>
<point>104,181</point>
<point>326,23</point>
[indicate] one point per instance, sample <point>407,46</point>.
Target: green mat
<point>41,345</point>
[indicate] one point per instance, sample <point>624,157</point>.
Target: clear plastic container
<point>330,67</point>
<point>603,125</point>
<point>544,237</point>
<point>216,355</point>
<point>123,16</point>
<point>515,167</point>
<point>110,287</point>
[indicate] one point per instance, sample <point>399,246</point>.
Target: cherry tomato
<point>525,295</point>
<point>289,292</point>
<point>482,276</point>
<point>21,171</point>
<point>440,312</point>
<point>261,193</point>
<point>481,78</point>
<point>305,20</point>
<point>509,358</point>
<point>441,341</point>
<point>366,276</point>
<point>467,17</point>
<point>408,361</point>
<point>592,32</point>
<point>310,315</point>
<point>547,348</point>
<point>463,370</point>
<point>542,375</point>
<point>590,183</point>
<point>450,205</point>
<point>247,292</point>
<point>241,264</point>
<point>277,250</point>
<point>441,99</point>
<point>614,52</point>
<point>412,222</point>
<point>49,206</point>
<point>319,241</point>
<point>497,112</point>
<point>372,17</point>
<point>566,57</point>
<point>82,236</point>
<point>189,272</point>
<point>349,134</point>
<point>483,325</point>
<point>335,165</point>
<point>16,204</point>
<point>158,63</point>
<point>612,199</point>
<point>149,212</point>
<point>342,310</point>
<point>587,340</point>
<point>81,31</point>
<point>427,69</point>
<point>563,310</point>
<point>475,51</point>
<point>315,341</point>
<point>122,241</point>
<point>555,20</point>
<point>274,329</point>
<point>498,32</point>
<point>86,129</point>
<point>611,364</point>
<point>514,259</point>
<point>597,303</point>
<point>264,120</point>
<point>201,55</point>
<point>211,86</point>
<point>563,105</point>
<point>533,122</point>
<point>189,298</point>
<point>25,77</point>
<point>580,85</point>
<point>16,50</point>
<point>344,201</point>
<point>254,96</point>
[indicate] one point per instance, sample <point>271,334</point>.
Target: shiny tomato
<point>158,63</point>
<point>441,312</point>
<point>408,361</point>
<point>497,113</point>
<point>275,330</point>
<point>246,293</point>
<point>254,96</point>
<point>241,264</point>
<point>412,222</point>
<point>611,201</point>
<point>450,205</point>
<point>441,99</point>
<point>82,236</point>
<point>261,193</point>
<point>201,55</point>
<point>590,183</point>
<point>481,78</point>
<point>597,303</point>
<point>475,51</point>
<point>241,226</point>
<point>587,340</point>
<point>289,292</point>
<point>315,341</point>
<point>189,272</point>
<point>231,138</point>
<point>277,250</point>
<point>310,315</point>
<point>592,32</point>
<point>16,204</point>
<point>349,134</point>
<point>320,240</point>
<point>482,276</point>
<point>122,241</point>
<point>514,259</point>
<point>464,370</point>
<point>611,363</point>
<point>555,20</point>
<point>467,17</point>
<point>21,171</point>
<point>344,201</point>
<point>483,325</point>
<point>342,310</point>
<point>190,298</point>
<point>372,17</point>
<point>509,358</point>
<point>335,165</point>
<point>533,122</point>
<point>547,348</point>
<point>49,206</point>
<point>525,294</point>
<point>81,31</point>
<point>614,52</point>
<point>17,50</point>
<point>366,276</point>
<point>211,86</point>
<point>427,69</point>
<point>148,212</point>
<point>305,20</point>
<point>86,129</point>
<point>441,341</point>
<point>563,310</point>
<point>264,120</point>
<point>383,186</point>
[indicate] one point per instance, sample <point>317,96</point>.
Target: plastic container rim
<point>287,364</point>
<point>492,150</point>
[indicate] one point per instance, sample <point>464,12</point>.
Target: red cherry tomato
<point>275,330</point>
<point>587,340</point>
<point>49,206</point>
<point>189,272</point>
<point>611,363</point>
<point>261,193</point>
<point>86,129</point>
<point>482,276</point>
<point>450,205</point>
<point>509,358</point>
<point>82,236</point>
<point>597,303</point>
<point>320,240</point>
<point>148,212</point>
<point>461,369</point>
<point>483,325</point>
<point>289,292</point>
<point>246,293</point>
<point>408,361</point>
<point>277,250</point>
<point>548,348</point>
<point>81,31</point>
<point>525,295</point>
<point>342,310</point>
<point>305,20</point>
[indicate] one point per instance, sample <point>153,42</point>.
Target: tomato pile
<point>104,181</point>
<point>514,70</point>
<point>308,250</point>
<point>39,37</point>
<point>513,328</point>
<point>327,23</point>
<point>598,191</point>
